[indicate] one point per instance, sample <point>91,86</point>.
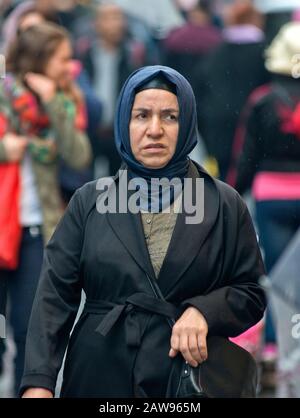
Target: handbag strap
<point>186,369</point>
<point>158,294</point>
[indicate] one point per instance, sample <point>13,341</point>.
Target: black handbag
<point>229,371</point>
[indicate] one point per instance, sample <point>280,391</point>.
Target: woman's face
<point>154,127</point>
<point>58,67</point>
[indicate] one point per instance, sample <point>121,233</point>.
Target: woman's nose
<point>155,127</point>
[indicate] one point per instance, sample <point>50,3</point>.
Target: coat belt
<point>137,302</point>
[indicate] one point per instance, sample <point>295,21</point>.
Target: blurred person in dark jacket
<point>112,55</point>
<point>186,47</point>
<point>233,70</point>
<point>267,153</point>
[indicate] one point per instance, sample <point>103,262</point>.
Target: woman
<point>25,15</point>
<point>41,119</point>
<point>267,153</point>
<point>121,347</point>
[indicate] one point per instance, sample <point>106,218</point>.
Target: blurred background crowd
<point>66,61</point>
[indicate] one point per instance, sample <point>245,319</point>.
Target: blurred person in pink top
<point>267,152</point>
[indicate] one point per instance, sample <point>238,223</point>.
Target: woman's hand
<point>43,86</point>
<point>37,393</point>
<point>189,337</point>
<point>15,146</point>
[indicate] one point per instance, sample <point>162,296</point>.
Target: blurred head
<point>200,14</point>
<point>154,123</point>
<point>43,49</point>
<point>242,12</point>
<point>30,18</point>
<point>283,55</point>
<point>110,23</point>
<point>46,7</point>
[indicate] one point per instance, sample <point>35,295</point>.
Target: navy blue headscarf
<point>188,131</point>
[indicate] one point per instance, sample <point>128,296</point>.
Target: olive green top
<point>158,229</point>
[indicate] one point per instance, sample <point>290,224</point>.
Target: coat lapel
<point>186,240</point>
<point>129,229</point>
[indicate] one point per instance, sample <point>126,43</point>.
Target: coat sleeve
<point>73,144</point>
<point>240,304</point>
<point>56,302</point>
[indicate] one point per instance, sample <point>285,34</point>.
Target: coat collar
<point>186,240</point>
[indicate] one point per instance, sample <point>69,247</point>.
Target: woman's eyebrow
<point>165,110</point>
<point>170,110</point>
<point>141,109</point>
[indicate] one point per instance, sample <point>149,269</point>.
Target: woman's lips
<point>154,148</point>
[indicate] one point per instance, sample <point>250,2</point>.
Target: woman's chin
<point>155,163</point>
<point>155,166</point>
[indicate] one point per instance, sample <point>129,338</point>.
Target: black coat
<point>214,265</point>
<point>229,75</point>
<point>266,138</point>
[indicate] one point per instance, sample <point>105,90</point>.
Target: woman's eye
<point>141,116</point>
<point>172,118</point>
